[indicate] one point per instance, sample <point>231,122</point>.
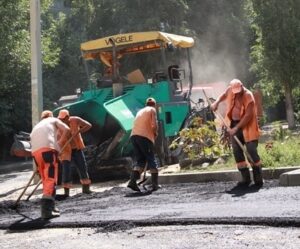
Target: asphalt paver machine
<point>123,71</point>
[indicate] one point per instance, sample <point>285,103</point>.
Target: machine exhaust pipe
<point>116,86</point>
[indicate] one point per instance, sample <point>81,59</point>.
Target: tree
<point>276,53</point>
<point>14,68</point>
<point>15,84</point>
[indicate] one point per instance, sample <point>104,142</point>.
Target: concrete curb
<point>291,178</point>
<point>228,175</point>
<point>288,176</point>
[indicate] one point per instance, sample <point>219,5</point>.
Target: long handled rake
<point>35,188</point>
<point>24,190</point>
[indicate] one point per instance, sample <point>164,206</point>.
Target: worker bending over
<point>143,135</point>
<point>45,149</point>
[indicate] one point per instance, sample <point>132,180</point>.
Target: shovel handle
<point>35,188</point>
<point>144,175</point>
<point>25,188</point>
<point>68,141</point>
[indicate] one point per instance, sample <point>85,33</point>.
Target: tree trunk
<point>289,106</point>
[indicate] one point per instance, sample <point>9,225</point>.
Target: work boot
<point>154,186</point>
<point>86,189</point>
<point>135,175</point>
<point>55,209</point>
<point>67,192</point>
<point>246,180</point>
<point>257,176</point>
<point>47,209</point>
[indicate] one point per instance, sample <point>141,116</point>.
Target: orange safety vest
<point>145,123</point>
<point>251,130</point>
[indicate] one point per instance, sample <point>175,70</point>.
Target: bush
<point>199,141</point>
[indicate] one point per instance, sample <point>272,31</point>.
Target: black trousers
<point>143,150</point>
<point>250,146</point>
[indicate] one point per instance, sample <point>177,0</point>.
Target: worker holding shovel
<point>144,132</point>
<point>77,126</point>
<point>45,148</point>
<point>243,128</point>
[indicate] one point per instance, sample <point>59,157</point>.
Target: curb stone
<point>233,175</point>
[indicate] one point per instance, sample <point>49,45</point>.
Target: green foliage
<point>278,37</point>
<point>199,141</point>
<point>15,58</point>
<point>276,53</point>
<point>15,73</point>
<point>280,134</point>
<point>296,94</point>
<point>282,153</point>
<point>14,64</point>
<point>262,120</point>
<point>273,154</point>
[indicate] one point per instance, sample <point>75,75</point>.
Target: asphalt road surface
<point>159,237</point>
<point>193,215</point>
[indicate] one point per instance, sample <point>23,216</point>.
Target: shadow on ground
<point>238,191</point>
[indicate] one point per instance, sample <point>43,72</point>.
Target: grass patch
<point>273,154</point>
<point>283,153</point>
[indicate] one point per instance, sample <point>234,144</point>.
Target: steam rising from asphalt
<point>212,67</point>
<point>220,55</point>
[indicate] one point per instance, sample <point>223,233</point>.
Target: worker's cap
<point>63,114</point>
<point>46,114</point>
<point>150,102</point>
<point>236,86</point>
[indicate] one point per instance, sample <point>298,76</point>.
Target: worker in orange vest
<point>143,135</point>
<point>65,156</point>
<point>241,116</point>
<point>77,126</point>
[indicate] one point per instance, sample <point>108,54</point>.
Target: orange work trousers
<point>46,160</point>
